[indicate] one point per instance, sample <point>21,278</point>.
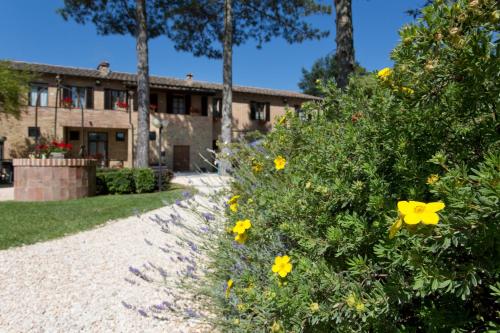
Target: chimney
<point>189,77</point>
<point>103,67</point>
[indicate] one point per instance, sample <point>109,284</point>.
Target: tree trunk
<point>345,45</point>
<point>142,155</point>
<point>227,89</point>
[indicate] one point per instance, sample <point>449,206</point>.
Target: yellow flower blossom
<point>314,307</point>
<point>351,300</point>
<point>282,266</point>
<point>242,226</point>
<point>257,167</point>
<point>414,212</point>
<point>432,179</point>
<point>395,228</point>
<point>282,120</point>
<point>276,328</point>
<point>407,90</point>
<point>228,287</point>
<point>279,162</point>
<point>384,74</point>
<point>233,199</point>
<point>241,238</point>
<point>234,207</point>
<point>241,307</point>
<point>360,307</point>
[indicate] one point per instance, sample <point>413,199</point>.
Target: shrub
<point>124,181</point>
<point>427,131</point>
<point>120,181</point>
<point>144,180</point>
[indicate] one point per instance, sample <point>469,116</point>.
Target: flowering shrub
<point>385,203</point>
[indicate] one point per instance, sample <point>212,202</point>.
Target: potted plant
<point>55,150</point>
<point>122,105</point>
<point>67,102</point>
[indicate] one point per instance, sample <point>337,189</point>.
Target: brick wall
<point>53,179</point>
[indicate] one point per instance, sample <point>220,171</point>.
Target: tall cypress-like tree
<point>130,17</point>
<point>344,39</point>
<point>213,27</point>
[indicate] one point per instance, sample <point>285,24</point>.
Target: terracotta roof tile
<point>154,80</point>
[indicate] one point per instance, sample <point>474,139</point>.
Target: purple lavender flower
<point>191,313</point>
<point>142,313</point>
<point>204,229</point>
<point>134,270</point>
<point>128,306</point>
<point>180,204</point>
<point>159,307</point>
<point>186,194</point>
<point>162,272</point>
<point>208,216</point>
<point>193,247</point>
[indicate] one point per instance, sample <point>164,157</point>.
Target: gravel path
<point>102,280</point>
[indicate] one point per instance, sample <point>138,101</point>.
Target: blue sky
<point>30,30</point>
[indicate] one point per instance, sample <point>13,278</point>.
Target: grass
<point>30,222</point>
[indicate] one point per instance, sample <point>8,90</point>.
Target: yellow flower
<point>234,207</point>
<point>432,179</point>
<point>234,199</point>
<point>384,74</point>
<point>414,212</point>
<point>279,162</point>
<point>351,300</point>
<point>282,120</point>
<point>228,287</point>
<point>236,321</point>
<point>242,226</point>
<point>282,266</point>
<point>407,90</point>
<point>395,228</point>
<point>276,328</point>
<point>241,238</point>
<point>241,307</point>
<point>360,307</point>
<point>257,167</point>
<point>314,307</point>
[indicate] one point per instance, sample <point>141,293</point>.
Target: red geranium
<point>122,105</point>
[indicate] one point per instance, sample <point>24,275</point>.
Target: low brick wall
<point>53,179</point>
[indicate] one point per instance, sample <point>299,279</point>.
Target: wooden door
<point>181,158</point>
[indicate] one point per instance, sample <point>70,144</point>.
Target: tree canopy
<point>323,69</point>
<point>13,89</point>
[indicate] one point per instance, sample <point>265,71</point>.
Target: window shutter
<point>204,105</point>
<point>253,110</point>
<point>135,101</point>
<point>107,100</point>
<point>187,103</point>
<point>169,104</point>
<point>268,111</point>
<point>90,98</point>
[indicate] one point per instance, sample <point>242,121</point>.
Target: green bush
<point>144,180</point>
<point>124,181</point>
<point>120,182</point>
<point>427,131</point>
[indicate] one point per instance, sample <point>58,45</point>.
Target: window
<point>120,136</point>
<point>1,149</point>
<point>152,136</point>
<point>204,106</point>
<point>40,92</point>
<point>301,113</point>
<point>178,105</point>
<point>74,135</point>
<point>33,132</point>
<point>115,99</point>
<point>153,102</point>
<point>260,111</point>
<point>70,95</point>
<point>217,107</point>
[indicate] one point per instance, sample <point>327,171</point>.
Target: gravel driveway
<point>121,277</point>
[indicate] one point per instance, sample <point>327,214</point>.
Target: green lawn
<point>31,222</point>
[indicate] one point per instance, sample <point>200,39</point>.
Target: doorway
<point>98,146</point>
<point>181,158</point>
